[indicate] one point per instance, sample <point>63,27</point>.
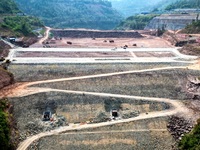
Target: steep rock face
<point>73,13</point>
<point>193,87</point>
<point>170,22</point>
<point>6,78</point>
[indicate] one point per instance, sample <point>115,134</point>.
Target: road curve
<point>176,107</point>
<point>23,89</point>
<point>46,35</point>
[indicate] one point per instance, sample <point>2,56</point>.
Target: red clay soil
<point>191,49</point>
<point>6,78</point>
<point>4,49</point>
<point>148,41</point>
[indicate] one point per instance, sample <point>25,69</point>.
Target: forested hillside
<point>14,23</point>
<point>19,25</point>
<point>184,4</point>
<point>8,7</point>
<point>132,7</point>
<point>192,28</point>
<point>137,22</point>
<point>97,14</point>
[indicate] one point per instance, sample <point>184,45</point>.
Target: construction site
<point>103,92</point>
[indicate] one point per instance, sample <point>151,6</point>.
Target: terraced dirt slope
<point>84,94</point>
<point>145,134</point>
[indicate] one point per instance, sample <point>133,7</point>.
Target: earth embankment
<point>95,34</point>
<point>6,78</point>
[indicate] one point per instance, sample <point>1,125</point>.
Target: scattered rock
<point>178,127</point>
<point>193,87</point>
<point>130,114</point>
<point>38,126</point>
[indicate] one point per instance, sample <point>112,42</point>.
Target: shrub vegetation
<point>194,27</point>
<point>137,22</point>
<point>8,7</point>
<point>21,25</point>
<point>183,4</point>
<point>4,126</point>
<point>192,140</point>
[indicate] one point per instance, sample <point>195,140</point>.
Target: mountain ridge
<point>132,7</point>
<point>91,14</point>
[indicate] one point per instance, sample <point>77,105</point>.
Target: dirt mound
<point>4,49</point>
<point>6,78</point>
<point>191,49</point>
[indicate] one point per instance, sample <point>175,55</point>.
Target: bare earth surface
<point>23,90</point>
<point>148,41</point>
<point>40,55</point>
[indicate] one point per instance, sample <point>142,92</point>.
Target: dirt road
<point>177,107</point>
<point>24,89</point>
<point>46,35</point>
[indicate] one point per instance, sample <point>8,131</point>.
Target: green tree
<point>137,22</point>
<point>4,127</point>
<point>191,141</point>
<point>8,7</point>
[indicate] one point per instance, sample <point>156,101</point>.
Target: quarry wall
<point>171,22</point>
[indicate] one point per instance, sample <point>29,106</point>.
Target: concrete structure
<point>171,22</point>
<point>135,55</point>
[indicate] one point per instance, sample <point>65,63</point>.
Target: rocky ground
<point>38,125</point>
<point>168,84</point>
<point>28,110</point>
<point>73,108</point>
<point>193,87</point>
<point>132,135</point>
<point>178,127</point>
